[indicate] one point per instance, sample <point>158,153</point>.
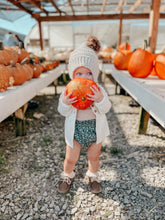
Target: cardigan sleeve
<point>105,104</point>
<point>64,109</point>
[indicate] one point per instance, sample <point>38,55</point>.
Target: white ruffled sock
<point>90,174</point>
<point>70,175</point>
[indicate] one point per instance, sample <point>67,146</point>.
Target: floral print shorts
<point>85,132</point>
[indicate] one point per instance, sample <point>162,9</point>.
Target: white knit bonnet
<point>85,55</point>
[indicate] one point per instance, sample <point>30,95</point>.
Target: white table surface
<point>16,96</point>
<point>148,92</point>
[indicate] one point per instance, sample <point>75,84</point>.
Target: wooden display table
<point>15,99</point>
<point>148,92</point>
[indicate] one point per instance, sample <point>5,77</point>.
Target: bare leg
<point>93,154</point>
<point>71,157</point>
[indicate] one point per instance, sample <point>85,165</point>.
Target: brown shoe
<point>64,184</point>
<point>95,186</point>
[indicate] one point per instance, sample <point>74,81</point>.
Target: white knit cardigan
<point>99,109</point>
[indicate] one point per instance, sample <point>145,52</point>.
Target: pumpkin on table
<point>13,55</point>
<point>140,63</point>
<point>125,46</point>
<point>121,59</point>
<point>7,55</point>
<point>37,70</point>
<point>18,72</point>
<point>6,79</point>
<point>80,87</point>
<point>29,71</point>
<point>22,53</point>
<point>159,66</point>
<point>153,72</point>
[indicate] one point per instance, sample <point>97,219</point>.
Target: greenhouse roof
<point>64,10</point>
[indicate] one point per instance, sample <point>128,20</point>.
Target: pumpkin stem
<point>42,59</point>
<point>20,45</point>
<point>24,61</point>
<point>145,44</point>
<point>1,45</point>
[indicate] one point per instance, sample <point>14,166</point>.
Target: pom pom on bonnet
<point>86,55</point>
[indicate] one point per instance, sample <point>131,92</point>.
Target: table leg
<point>143,121</point>
<point>20,124</point>
<point>55,85</point>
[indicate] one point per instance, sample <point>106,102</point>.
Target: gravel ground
<point>132,167</point>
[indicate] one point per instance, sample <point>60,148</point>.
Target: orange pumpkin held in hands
<point>140,63</point>
<point>80,87</point>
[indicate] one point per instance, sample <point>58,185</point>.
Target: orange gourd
<point>121,59</point>
<point>29,71</point>
<point>125,46</point>
<point>153,73</point>
<point>22,53</point>
<point>37,70</point>
<point>7,55</point>
<point>17,71</point>
<point>6,79</point>
<point>80,87</point>
<point>140,63</point>
<point>13,55</point>
<point>160,66</point>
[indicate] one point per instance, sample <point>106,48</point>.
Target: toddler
<point>85,128</point>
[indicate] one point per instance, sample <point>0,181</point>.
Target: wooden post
<point>55,85</point>
<point>143,121</point>
<point>153,27</point>
<point>116,85</point>
<point>20,121</point>
<point>120,30</point>
<point>40,31</point>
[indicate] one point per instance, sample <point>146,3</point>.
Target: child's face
<point>83,72</point>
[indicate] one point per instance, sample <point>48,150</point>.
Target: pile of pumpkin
<point>106,52</point>
<point>140,63</point>
<point>18,66</point>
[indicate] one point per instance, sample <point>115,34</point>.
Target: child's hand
<point>97,96</point>
<point>66,98</point>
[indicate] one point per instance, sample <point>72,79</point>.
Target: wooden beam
<point>120,30</point>
<point>103,6</point>
<point>135,6</point>
<point>94,17</point>
<point>38,6</point>
<point>119,7</point>
<point>40,31</point>
<point>69,1</point>
<point>154,22</point>
<point>21,7</point>
<point>55,6</point>
<point>87,5</point>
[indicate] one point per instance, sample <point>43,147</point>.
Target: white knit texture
<point>84,56</point>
